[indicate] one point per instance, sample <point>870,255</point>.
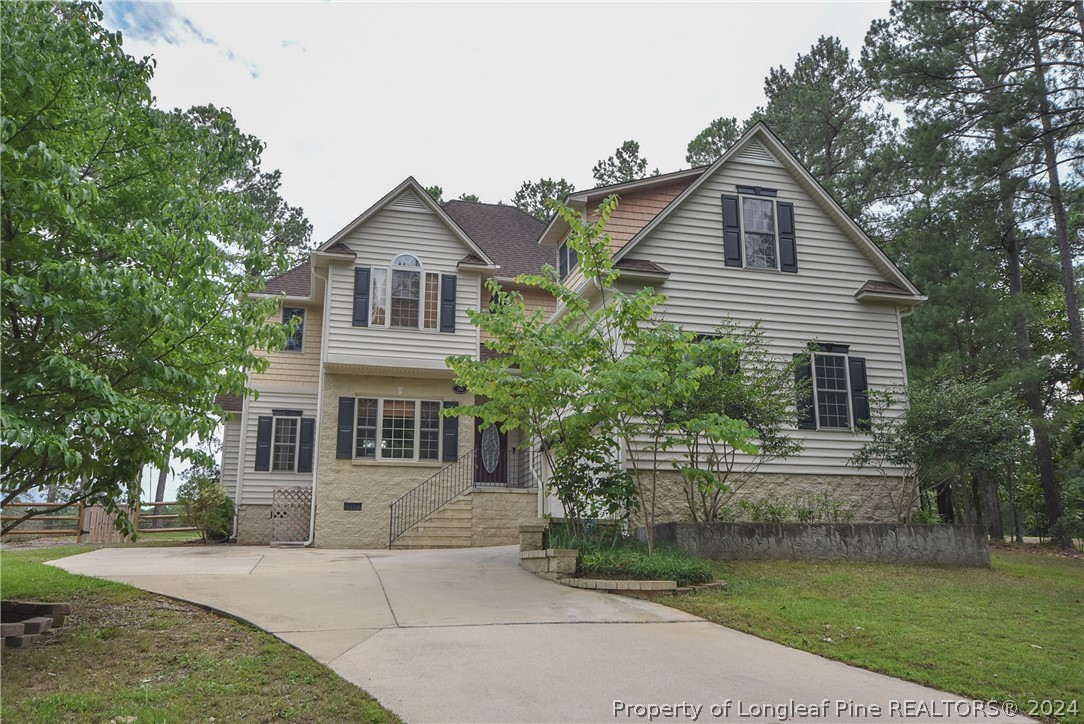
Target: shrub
<point>205,505</point>
<point>632,562</point>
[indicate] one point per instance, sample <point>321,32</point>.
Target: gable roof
<point>507,234</point>
<point>760,132</point>
<point>295,283</point>
<point>426,201</point>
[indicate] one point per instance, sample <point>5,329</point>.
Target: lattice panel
<point>290,510</point>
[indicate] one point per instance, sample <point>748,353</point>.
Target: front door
<point>490,456</point>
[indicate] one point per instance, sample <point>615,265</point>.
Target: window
<point>294,341</point>
<point>760,232</point>
<point>284,444</point>
<point>405,296</point>
<point>832,389</point>
<point>567,259</point>
<point>397,430</point>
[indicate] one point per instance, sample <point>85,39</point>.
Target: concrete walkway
<point>468,636</point>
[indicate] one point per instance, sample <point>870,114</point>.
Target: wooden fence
<point>91,523</point>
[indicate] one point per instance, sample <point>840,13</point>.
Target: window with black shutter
<point>758,230</point>
<point>832,389</point>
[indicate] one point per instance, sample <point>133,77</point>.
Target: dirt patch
<point>1038,549</point>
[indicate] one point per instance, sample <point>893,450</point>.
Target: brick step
<point>430,542</point>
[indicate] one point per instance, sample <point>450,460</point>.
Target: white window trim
<point>744,229</point>
<point>846,389</point>
<point>390,269</point>
<point>297,442</point>
<point>379,457</point>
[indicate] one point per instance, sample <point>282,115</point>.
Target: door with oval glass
<point>490,456</point>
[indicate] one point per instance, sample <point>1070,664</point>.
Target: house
<point>350,410</point>
<point>754,237</point>
<point>347,420</point>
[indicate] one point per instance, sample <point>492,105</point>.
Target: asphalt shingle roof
<point>294,283</point>
<point>507,234</point>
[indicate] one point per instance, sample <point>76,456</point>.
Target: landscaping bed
<point>127,655</point>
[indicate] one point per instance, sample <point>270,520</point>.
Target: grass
<point>128,655</point>
<point>1010,632</point>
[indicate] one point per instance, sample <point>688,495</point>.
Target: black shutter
<point>263,443</point>
<point>859,393</point>
<point>803,385</point>
<point>731,231</point>
<point>788,245</point>
<point>304,450</point>
<point>451,435</point>
<point>447,303</point>
<point>361,296</point>
<point>344,442</point>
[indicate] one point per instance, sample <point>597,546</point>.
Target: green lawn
<point>1015,631</point>
<point>128,655</point>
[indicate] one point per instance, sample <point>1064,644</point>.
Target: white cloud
<point>352,98</point>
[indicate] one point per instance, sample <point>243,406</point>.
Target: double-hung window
<point>761,239</point>
<point>285,441</point>
<point>297,337</point>
<point>758,230</point>
<point>405,295</point>
<point>832,389</point>
<point>396,429</point>
<point>567,259</point>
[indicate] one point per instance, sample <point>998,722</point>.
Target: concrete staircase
<point>447,527</point>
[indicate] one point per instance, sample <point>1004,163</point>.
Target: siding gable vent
<point>755,152</point>
<point>408,201</point>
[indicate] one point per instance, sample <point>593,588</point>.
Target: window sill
<point>396,463</point>
<point>759,269</point>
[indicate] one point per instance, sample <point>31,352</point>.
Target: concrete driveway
<point>468,636</point>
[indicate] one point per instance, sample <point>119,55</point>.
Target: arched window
<point>407,260</point>
<point>411,299</point>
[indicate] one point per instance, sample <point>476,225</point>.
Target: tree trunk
<point>995,523</point>
<point>1057,203</point>
<point>163,474</point>
<point>1044,454</point>
<point>944,502</point>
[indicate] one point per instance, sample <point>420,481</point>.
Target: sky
<point>351,98</point>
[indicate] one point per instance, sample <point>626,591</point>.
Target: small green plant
<point>631,561</point>
<point>205,505</point>
<point>816,508</point>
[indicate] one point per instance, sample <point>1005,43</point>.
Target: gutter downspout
<point>319,405</point>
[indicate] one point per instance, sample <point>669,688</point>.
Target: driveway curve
<point>468,636</point>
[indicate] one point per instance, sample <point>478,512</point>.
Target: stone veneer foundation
<point>866,498</point>
<point>373,484</point>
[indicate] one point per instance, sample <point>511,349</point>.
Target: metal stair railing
<point>431,495</point>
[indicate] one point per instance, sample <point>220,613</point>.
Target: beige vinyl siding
<point>295,368</point>
<point>231,447</point>
<point>533,300</point>
<point>377,242</point>
<point>256,487</point>
<point>817,303</point>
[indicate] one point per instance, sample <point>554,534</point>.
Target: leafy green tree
<point>131,245</point>
<point>952,430</point>
<point>473,198</point>
<point>625,165</point>
<point>713,141</point>
<point>749,385</point>
<point>828,113</point>
<point>537,197</point>
<point>205,505</point>
<point>436,193</point>
<point>605,375</point>
<point>979,100</point>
